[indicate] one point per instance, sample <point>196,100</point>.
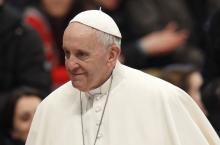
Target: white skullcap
<point>98,20</point>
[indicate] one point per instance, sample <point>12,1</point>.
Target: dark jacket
<point>7,140</point>
<point>22,61</point>
<point>145,17</point>
<point>212,66</point>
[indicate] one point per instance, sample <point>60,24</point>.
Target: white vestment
<point>141,110</point>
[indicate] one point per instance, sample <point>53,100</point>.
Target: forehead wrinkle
<point>80,31</point>
<point>89,34</point>
<point>81,28</point>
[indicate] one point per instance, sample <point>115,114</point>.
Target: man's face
<point>87,62</point>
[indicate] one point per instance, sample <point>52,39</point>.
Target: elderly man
<point>107,103</point>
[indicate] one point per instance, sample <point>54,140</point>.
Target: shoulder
<point>60,97</point>
<point>59,103</point>
<point>137,77</point>
<point>144,83</point>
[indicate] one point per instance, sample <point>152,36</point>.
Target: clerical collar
<point>102,90</point>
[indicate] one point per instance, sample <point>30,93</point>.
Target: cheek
<point>67,64</point>
<point>21,129</point>
<point>91,77</point>
<point>22,126</point>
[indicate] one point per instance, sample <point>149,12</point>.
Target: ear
<point>114,53</point>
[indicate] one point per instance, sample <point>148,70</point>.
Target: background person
<point>22,61</point>
<point>17,115</point>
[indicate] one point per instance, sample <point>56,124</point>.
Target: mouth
<point>75,73</point>
<point>76,76</point>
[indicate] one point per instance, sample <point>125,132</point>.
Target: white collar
<point>102,90</point>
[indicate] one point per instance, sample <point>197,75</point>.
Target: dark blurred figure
<point>212,67</point>
<point>22,61</point>
<point>188,78</point>
<point>20,5</point>
<point>156,29</point>
<point>211,99</point>
<point>49,18</point>
<point>190,55</point>
<point>17,115</point>
<point>160,28</point>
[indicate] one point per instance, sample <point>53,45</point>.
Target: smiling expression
<point>88,63</point>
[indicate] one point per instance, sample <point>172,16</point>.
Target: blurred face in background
<point>23,115</point>
<point>1,2</point>
<point>195,83</point>
<point>57,8</point>
<point>109,4</point>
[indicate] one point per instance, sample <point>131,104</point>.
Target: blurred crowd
<point>176,40</point>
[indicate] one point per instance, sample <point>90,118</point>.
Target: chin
<point>78,85</point>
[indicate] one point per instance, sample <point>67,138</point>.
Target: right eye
<point>67,54</point>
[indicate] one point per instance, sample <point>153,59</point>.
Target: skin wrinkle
<point>88,64</point>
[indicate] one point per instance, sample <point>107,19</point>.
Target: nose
<point>72,65</point>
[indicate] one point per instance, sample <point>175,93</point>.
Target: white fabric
<point>95,95</point>
<point>92,114</point>
<point>142,110</point>
<point>98,20</point>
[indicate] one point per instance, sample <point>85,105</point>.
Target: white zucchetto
<point>98,20</point>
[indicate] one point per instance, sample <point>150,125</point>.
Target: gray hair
<point>108,39</point>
